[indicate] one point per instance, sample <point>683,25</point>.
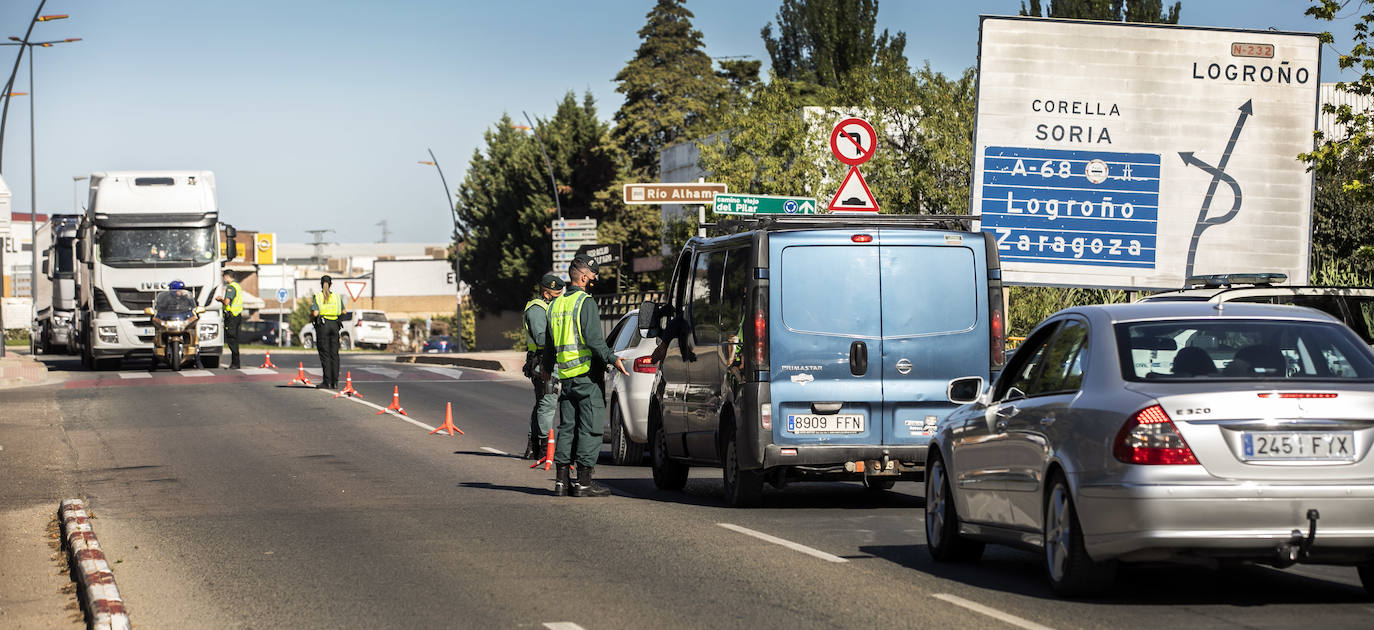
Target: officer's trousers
<point>582,417</point>
<point>545,407</point>
<point>327,344</point>
<point>232,324</point>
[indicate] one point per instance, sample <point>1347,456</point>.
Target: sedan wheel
<point>942,521</point>
<point>1067,565</point>
<point>623,451</point>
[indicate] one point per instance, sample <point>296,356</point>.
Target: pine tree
<point>671,91</point>
<point>1147,11</point>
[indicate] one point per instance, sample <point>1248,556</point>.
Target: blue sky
<point>313,114</point>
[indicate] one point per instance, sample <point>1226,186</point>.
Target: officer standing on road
<point>233,316</point>
<point>545,387</point>
<point>575,338</point>
<point>325,310</point>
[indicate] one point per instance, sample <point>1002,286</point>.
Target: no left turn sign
<point>853,141</point>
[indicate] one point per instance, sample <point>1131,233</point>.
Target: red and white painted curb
<point>104,607</point>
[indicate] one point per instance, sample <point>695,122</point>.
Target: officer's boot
<point>585,487</point>
<point>529,448</point>
<point>561,484</point>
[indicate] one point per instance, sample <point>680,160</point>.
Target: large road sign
<point>764,204</point>
<point>677,193</point>
<point>1157,154</point>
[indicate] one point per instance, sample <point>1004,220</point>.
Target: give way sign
<point>355,288</point>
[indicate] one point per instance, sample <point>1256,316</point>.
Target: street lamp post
<point>9,84</point>
<point>535,132</point>
<point>457,268</point>
<point>33,174</point>
<point>76,193</point>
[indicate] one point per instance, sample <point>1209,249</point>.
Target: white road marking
<point>1007,618</point>
<point>784,542</point>
<point>449,372</point>
<point>257,370</point>
<point>385,372</point>
<point>196,373</point>
<point>381,408</point>
<point>315,371</point>
<point>495,451</point>
<point>135,375</point>
<point>562,625</point>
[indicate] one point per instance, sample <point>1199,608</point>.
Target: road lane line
<point>381,408</point>
<point>384,372</point>
<point>1006,618</point>
<point>494,451</point>
<point>442,371</point>
<point>786,543</point>
<point>196,373</point>
<point>135,375</point>
<point>256,370</point>
<point>562,625</point>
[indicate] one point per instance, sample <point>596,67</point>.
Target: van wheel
<point>743,488</point>
<point>942,520</point>
<point>879,484</point>
<point>668,474</point>
<point>1067,565</point>
<point>307,342</point>
<point>623,451</point>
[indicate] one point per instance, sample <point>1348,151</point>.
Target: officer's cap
<point>551,282</point>
<point>326,280</point>
<point>586,261</point>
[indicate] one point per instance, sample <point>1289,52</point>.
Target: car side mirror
<point>648,320</point>
<point>148,311</point>
<point>962,391</point>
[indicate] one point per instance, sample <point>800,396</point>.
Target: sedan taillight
<point>1151,438</point>
<point>645,365</point>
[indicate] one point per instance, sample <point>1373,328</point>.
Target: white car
<point>627,397</point>
<point>362,328</point>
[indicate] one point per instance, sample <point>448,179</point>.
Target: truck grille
<point>135,300</point>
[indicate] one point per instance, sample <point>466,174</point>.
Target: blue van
<point>818,348</point>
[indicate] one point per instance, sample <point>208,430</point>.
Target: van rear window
<point>830,290</point>
<point>928,290</point>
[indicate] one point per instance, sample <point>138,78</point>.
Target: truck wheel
<point>307,342</point>
<point>743,488</point>
<point>1367,578</point>
<point>210,361</point>
<point>623,451</point>
<point>1067,565</point>
<point>668,474</point>
<point>942,520</point>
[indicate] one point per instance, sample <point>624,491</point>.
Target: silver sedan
<point>1154,432</point>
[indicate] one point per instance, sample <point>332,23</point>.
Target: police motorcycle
<point>175,316</point>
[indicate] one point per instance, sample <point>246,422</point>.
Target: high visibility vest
<point>572,357</point>
<point>235,306</point>
<point>330,309</point>
<point>530,345</point>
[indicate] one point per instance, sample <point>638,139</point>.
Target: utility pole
<point>319,244</point>
<point>386,234</point>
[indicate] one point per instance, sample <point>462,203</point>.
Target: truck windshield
<point>64,256</point>
<point>134,247</point>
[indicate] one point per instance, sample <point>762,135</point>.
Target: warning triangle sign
<point>853,195</point>
<point>355,289</point>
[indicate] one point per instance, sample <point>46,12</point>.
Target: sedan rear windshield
<point>1242,350</point>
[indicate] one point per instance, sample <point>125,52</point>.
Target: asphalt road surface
<point>227,499</point>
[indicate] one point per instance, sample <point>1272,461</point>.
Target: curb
<point>96,584</point>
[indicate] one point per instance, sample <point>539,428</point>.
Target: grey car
<point>1163,432</point>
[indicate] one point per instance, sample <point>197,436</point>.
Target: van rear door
<point>934,326</point>
<point>825,337</point>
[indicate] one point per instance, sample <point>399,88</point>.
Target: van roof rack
<point>961,222</point>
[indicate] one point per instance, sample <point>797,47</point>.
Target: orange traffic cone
<point>547,461</point>
<point>448,422</point>
<point>395,403</point>
<point>348,388</point>
<point>267,362</point>
<point>300,376</point>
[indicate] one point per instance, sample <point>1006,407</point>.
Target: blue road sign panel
<point>1072,207</point>
<point>281,295</point>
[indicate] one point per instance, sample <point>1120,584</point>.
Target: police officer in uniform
<point>233,316</point>
<point>575,339</point>
<point>545,387</point>
<point>326,309</point>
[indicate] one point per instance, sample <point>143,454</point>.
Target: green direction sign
<point>763,204</point>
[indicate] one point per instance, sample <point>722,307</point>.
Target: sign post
<point>746,205</point>
<point>853,142</point>
<point>281,314</point>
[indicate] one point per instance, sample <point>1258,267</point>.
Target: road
<point>227,499</point>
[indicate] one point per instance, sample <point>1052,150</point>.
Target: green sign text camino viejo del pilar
<point>763,204</point>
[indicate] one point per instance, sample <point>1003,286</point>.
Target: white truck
<point>141,231</point>
<point>55,294</point>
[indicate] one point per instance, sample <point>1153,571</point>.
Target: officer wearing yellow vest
<point>326,308</point>
<point>575,343</point>
<point>545,387</point>
<point>233,316</point>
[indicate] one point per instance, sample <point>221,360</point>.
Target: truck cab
<point>141,231</point>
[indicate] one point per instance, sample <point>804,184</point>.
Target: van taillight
<point>761,328</point>
<point>997,325</point>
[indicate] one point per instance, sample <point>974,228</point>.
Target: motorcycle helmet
<point>176,285</point>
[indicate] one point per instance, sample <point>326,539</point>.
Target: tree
<point>671,91</point>
<point>822,41</point>
<point>1148,11</point>
<point>1348,158</point>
